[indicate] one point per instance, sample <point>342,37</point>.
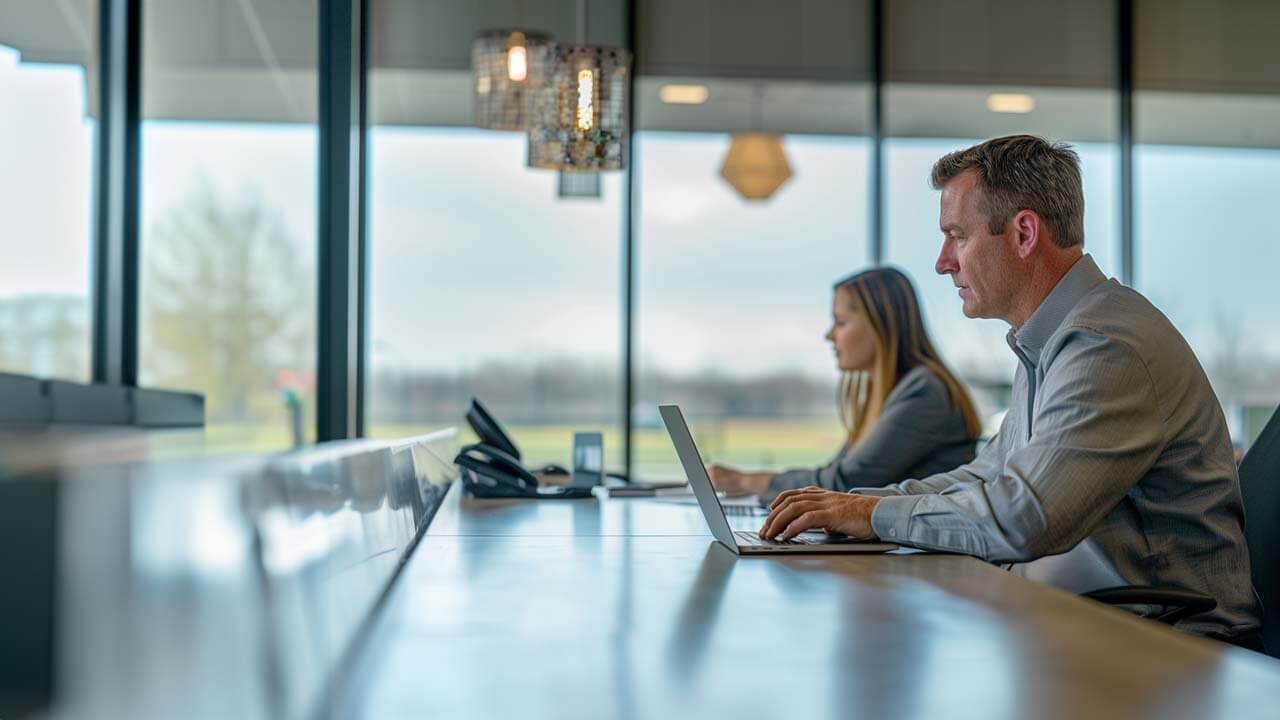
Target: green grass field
<point>747,444</point>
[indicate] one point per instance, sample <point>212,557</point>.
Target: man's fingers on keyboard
<point>807,521</point>
<point>787,494</point>
<point>782,517</point>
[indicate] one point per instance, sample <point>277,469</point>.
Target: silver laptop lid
<point>697,474</point>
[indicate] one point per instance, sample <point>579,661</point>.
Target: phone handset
<point>496,473</point>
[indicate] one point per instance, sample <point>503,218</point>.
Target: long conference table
<point>626,608</point>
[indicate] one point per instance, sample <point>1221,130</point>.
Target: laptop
<point>745,542</point>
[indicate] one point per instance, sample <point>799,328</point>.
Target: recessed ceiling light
<point>683,94</point>
<point>1010,103</point>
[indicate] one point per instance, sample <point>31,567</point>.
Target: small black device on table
<point>492,466</point>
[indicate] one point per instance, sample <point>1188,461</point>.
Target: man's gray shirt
<point>919,432</point>
<point>1113,465</point>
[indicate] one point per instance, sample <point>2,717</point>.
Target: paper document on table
<point>684,491</point>
<point>684,496</point>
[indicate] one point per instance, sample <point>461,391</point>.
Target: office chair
<point>1260,490</point>
<point>1260,486</point>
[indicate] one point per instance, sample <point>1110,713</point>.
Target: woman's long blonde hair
<point>887,299</point>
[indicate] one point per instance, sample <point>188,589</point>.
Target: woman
<point>906,415</point>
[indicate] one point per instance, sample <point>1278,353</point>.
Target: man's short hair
<point>1023,172</point>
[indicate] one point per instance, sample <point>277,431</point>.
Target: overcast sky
<point>475,259</point>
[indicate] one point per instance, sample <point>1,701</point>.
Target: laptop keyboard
<point>750,538</point>
<point>745,510</point>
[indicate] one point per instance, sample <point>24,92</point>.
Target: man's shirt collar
<point>1083,277</point>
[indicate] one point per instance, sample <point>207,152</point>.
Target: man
<point>1113,465</point>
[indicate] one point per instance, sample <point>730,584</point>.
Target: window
<point>228,305</point>
<point>1208,249</point>
<point>47,133</point>
<point>1207,160</point>
<point>734,298</point>
<point>483,280</point>
<point>943,96</point>
<point>733,291</point>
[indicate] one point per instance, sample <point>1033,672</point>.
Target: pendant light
<point>578,97</point>
<point>756,165</point>
<point>500,65</point>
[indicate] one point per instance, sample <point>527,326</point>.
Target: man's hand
<point>795,511</point>
<point>736,482</point>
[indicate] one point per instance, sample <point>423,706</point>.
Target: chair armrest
<point>1177,604</point>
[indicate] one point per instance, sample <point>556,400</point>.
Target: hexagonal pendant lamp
<point>756,165</point>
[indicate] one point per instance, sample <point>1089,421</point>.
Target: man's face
<point>982,265</point>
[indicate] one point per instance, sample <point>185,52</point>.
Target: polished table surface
<point>626,608</point>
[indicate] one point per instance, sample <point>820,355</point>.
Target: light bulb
<point>586,91</point>
<point>517,63</point>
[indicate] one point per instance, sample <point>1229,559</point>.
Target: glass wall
<point>491,280</point>
<point>1207,162</point>
<point>733,282</point>
<point>228,221</point>
<point>484,280</point>
<point>944,95</point>
<point>47,132</point>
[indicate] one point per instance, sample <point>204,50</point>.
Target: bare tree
<point>229,302</point>
<point>1229,367</point>
<point>45,335</point>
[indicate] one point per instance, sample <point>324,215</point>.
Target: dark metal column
<point>1125,28</point>
<point>341,231</point>
<point>876,187</point>
<point>116,173</point>
<point>362,219</point>
<point>628,251</point>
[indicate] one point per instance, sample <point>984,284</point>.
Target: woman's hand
<point>736,482</point>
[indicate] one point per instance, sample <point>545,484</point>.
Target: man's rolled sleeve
<point>891,518</point>
<point>878,492</point>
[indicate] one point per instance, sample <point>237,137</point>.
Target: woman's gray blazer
<point>918,433</point>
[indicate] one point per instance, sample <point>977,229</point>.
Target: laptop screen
<point>696,472</point>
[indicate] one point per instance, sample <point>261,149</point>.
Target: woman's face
<point>850,335</point>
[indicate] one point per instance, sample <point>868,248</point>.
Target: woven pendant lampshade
<point>500,65</point>
<point>578,107</point>
<point>756,165</point>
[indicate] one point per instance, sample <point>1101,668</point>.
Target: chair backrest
<point>1260,485</point>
